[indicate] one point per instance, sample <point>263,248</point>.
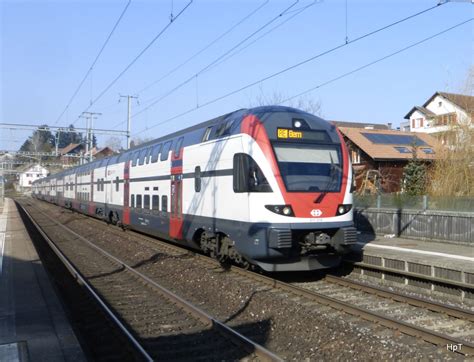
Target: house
<point>445,116</point>
<point>103,152</point>
<point>378,156</point>
<point>361,125</point>
<point>27,174</point>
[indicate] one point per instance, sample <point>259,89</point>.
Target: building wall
<point>34,173</point>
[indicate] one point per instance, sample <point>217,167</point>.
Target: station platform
<point>33,324</point>
<point>429,260</point>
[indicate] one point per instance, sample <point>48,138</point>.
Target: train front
<point>301,211</point>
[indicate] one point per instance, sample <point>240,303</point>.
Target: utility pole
<point>129,116</point>
<point>89,116</point>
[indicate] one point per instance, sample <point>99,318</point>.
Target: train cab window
<point>166,150</point>
<point>135,158</point>
<point>155,153</point>
<point>155,202</point>
<point>207,133</point>
<point>197,179</point>
<point>132,200</point>
<point>164,203</point>
<point>139,201</point>
<point>146,202</point>
<point>142,156</point>
<point>177,148</point>
<point>247,175</point>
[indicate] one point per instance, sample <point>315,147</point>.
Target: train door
<point>176,214</point>
<point>126,193</point>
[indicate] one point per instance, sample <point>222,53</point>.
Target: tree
<point>68,136</point>
<point>114,143</point>
<point>41,140</point>
<point>138,141</point>
<point>305,103</point>
<point>414,175</point>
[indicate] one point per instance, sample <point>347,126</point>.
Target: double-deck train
<point>268,186</point>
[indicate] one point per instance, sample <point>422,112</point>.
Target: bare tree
<point>305,103</point>
<point>139,140</point>
<point>114,143</point>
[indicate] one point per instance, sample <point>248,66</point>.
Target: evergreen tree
<point>42,140</point>
<point>414,175</point>
<point>69,136</point>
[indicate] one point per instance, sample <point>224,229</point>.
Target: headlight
<point>285,210</point>
<point>343,209</point>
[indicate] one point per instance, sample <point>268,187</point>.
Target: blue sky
<point>48,46</point>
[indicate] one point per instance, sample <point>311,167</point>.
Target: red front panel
<point>303,203</point>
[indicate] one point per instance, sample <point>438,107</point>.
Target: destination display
<point>296,134</point>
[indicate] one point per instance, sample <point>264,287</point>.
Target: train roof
<point>194,134</point>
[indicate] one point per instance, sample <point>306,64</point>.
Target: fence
<point>434,218</point>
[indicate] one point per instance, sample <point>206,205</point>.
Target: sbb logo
<point>316,212</point>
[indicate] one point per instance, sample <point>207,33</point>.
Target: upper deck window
<point>166,150</point>
<point>207,133</point>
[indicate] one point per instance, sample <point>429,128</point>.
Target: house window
<point>421,122</point>
<point>413,123</point>
<point>402,149</point>
<point>355,156</point>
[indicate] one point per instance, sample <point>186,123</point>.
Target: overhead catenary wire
<point>246,17</point>
<point>191,78</point>
<point>314,57</point>
<point>140,54</point>
<point>319,85</point>
<point>332,80</point>
<point>237,51</point>
<point>94,62</point>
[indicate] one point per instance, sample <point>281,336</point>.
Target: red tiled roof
<point>385,151</point>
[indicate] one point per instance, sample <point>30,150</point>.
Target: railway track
<point>156,322</point>
<point>433,322</point>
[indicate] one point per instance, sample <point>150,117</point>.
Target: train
<point>267,187</point>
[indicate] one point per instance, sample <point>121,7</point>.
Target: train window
<point>164,203</point>
<point>132,200</point>
<point>117,184</point>
<point>134,158</point>
<point>103,184</point>
<point>197,179</point>
<point>166,150</point>
<point>147,188</point>
<point>155,202</point>
<point>139,201</point>
<point>247,175</point>
<point>207,133</point>
<point>142,156</point>
<point>98,184</point>
<point>177,148</point>
<point>146,202</point>
<point>155,153</point>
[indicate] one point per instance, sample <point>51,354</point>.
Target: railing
<point>447,219</point>
<point>405,202</point>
